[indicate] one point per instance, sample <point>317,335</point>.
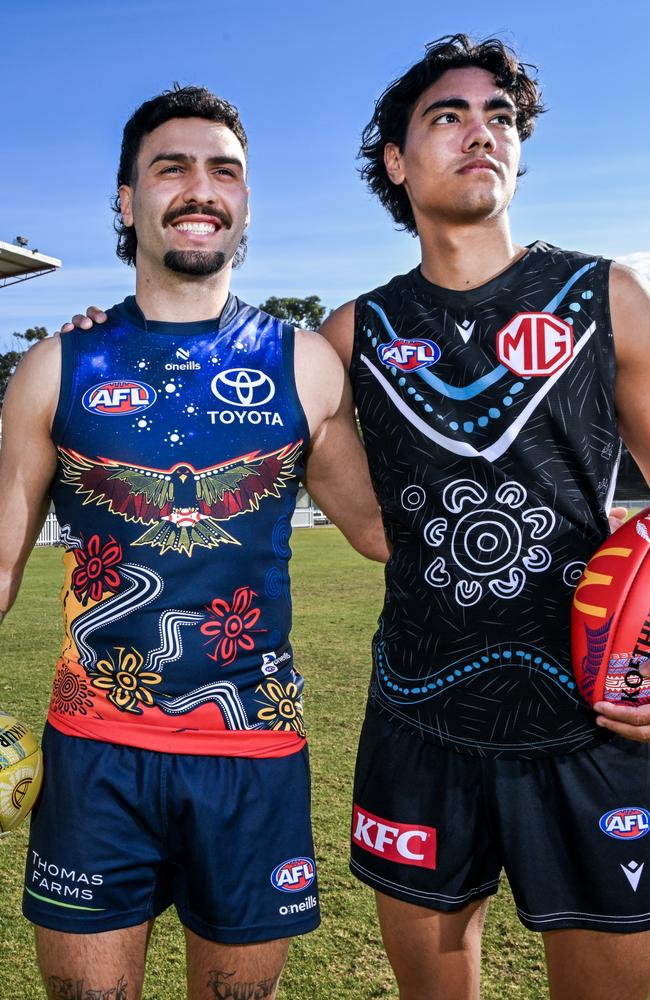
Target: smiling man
<point>172,440</point>
<point>491,383</point>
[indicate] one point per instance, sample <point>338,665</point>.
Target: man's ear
<point>126,204</point>
<point>393,163</point>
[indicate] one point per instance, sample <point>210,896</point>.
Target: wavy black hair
<point>392,113</point>
<point>180,102</point>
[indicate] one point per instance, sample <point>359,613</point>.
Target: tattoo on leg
<point>225,987</point>
<point>76,989</point>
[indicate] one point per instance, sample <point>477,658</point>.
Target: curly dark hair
<point>180,102</point>
<point>392,113</point>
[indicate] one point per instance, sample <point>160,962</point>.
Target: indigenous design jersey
<point>489,422</point>
<point>180,452</point>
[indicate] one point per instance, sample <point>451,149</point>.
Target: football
<point>610,618</point>
<point>21,771</point>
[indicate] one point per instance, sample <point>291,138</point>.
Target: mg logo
<point>243,387</point>
<point>535,344</point>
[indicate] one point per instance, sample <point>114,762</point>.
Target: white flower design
<point>489,544</point>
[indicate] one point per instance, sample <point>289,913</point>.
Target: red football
<point>610,618</point>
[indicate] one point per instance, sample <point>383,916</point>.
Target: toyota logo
<point>243,387</point>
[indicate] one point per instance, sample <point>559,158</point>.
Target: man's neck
<point>179,298</point>
<point>465,257</point>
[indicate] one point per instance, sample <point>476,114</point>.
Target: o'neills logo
<point>400,842</point>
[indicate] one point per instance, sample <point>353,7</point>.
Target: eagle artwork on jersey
<point>156,656</point>
<point>182,504</point>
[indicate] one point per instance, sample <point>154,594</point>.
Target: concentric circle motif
<point>280,537</point>
<point>486,542</point>
<point>70,694</point>
<point>413,497</point>
<point>572,573</point>
<point>273,583</point>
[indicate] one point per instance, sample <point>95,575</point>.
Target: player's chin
<point>482,202</point>
<point>196,263</point>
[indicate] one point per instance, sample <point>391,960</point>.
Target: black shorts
<point>434,827</point>
<point>119,834</point>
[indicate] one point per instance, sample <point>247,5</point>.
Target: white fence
<point>50,533</point>
<point>304,517</point>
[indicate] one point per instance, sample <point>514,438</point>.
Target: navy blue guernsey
<point>180,450</point>
<point>489,422</point>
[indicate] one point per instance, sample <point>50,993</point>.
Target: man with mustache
<point>172,441</point>
<point>484,382</point>
<point>491,384</point>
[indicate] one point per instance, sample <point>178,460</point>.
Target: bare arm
<point>630,311</point>
<point>27,461</point>
<point>337,475</point>
<point>338,330</point>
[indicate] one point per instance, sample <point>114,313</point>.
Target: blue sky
<point>304,77</point>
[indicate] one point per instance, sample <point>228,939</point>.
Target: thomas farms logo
<point>117,399</point>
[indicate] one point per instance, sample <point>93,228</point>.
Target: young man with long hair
<point>492,383</point>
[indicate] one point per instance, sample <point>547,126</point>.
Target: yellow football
<point>21,772</point>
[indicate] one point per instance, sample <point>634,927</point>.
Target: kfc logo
<point>535,344</point>
<point>399,842</point>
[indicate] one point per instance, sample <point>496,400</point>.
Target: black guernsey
<point>489,422</point>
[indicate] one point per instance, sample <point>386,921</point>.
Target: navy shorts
<point>434,827</point>
<point>119,834</point>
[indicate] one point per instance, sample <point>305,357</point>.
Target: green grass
<point>337,597</point>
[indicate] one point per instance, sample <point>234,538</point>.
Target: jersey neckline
<point>456,297</point>
<point>131,311</point>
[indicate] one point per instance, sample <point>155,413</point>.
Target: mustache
<point>216,213</point>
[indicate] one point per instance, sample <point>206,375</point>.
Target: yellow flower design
<point>127,684</point>
<point>282,706</point>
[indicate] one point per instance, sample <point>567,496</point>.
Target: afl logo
<point>409,355</point>
<point>243,387</point>
<point>295,875</point>
<point>626,823</point>
<point>118,399</point>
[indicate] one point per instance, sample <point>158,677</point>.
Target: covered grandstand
<point>18,262</point>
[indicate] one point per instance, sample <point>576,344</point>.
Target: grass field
<point>337,597</point>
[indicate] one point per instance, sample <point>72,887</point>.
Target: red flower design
<point>230,624</point>
<point>94,573</point>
